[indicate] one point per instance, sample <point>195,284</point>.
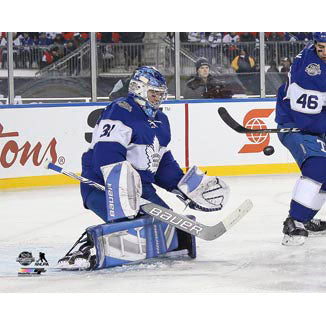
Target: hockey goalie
<point>129,155</point>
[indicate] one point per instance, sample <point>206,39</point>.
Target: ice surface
<point>248,258</point>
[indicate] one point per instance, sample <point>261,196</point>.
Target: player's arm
<point>312,123</point>
<point>168,173</point>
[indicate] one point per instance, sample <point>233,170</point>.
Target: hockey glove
<point>201,192</point>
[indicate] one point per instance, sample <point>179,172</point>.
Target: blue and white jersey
<point>301,101</point>
<point>125,133</point>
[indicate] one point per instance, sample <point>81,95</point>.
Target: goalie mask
<point>148,87</point>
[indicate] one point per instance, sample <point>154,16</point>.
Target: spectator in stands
<point>70,47</point>
<point>107,37</point>
<point>84,36</point>
<point>204,84</point>
<point>132,51</point>
<point>58,42</point>
<point>77,41</point>
<point>214,39</point>
<point>47,58</point>
<point>51,35</point>
<point>286,64</point>
<point>26,39</point>
<point>55,53</point>
<point>194,37</point>
<point>291,36</point>
<point>247,37</point>
<point>16,44</point>
<point>231,37</point>
<point>274,36</point>
<point>26,50</point>
<point>243,62</point>
<point>68,36</point>
<point>304,36</point>
<point>44,40</point>
<point>36,39</point>
<point>108,52</point>
<point>273,67</point>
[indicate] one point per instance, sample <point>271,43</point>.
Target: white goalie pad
<point>207,193</point>
<point>123,189</point>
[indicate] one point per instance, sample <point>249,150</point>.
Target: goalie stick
<point>224,114</point>
<point>200,230</point>
<point>168,216</point>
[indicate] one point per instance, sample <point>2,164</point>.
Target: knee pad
<point>307,193</point>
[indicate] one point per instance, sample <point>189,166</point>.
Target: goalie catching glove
<point>201,192</point>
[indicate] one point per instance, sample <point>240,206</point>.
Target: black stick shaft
<point>224,114</point>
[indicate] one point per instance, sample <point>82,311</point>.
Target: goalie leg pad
<point>207,193</point>
<point>131,241</point>
<point>123,190</point>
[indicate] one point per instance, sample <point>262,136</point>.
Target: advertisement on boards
<point>213,143</point>
<point>31,134</point>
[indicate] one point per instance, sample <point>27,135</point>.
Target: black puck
<point>269,150</point>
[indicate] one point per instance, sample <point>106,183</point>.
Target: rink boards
<point>29,134</point>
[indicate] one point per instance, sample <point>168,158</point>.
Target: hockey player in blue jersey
<point>301,103</point>
<point>129,154</point>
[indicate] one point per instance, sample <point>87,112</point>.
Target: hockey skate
<point>316,227</point>
<point>295,233</point>
<point>81,259</point>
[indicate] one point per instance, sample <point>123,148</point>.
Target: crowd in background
<point>39,49</point>
<point>242,48</point>
<point>239,52</point>
<point>213,64</point>
<point>214,38</point>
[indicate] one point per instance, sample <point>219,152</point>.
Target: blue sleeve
<point>169,172</point>
<point>108,153</point>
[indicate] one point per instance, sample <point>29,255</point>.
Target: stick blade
<point>228,222</point>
